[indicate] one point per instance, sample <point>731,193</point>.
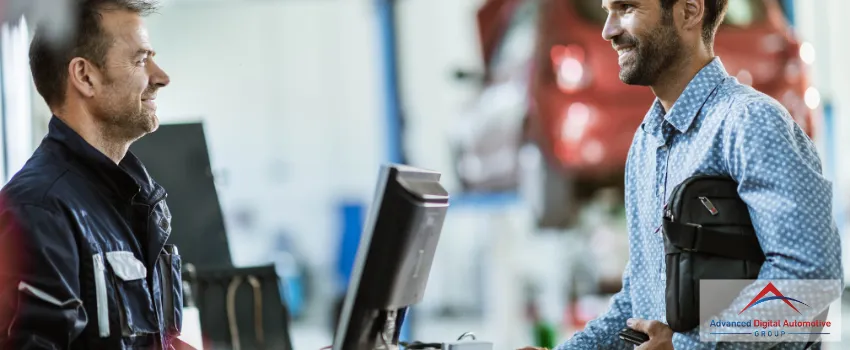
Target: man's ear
<point>83,76</point>
<point>694,11</point>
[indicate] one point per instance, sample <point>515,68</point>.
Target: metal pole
<point>387,20</point>
<point>394,116</point>
<point>788,6</point>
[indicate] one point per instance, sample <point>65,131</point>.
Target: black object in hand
<point>633,337</point>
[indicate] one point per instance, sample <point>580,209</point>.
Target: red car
<point>552,89</point>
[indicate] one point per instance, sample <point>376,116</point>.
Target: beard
<point>652,53</point>
<point>123,117</point>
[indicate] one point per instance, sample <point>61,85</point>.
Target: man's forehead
<point>126,28</point>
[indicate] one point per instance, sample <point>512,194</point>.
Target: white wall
<point>436,37</point>
<point>298,84</point>
<point>288,92</point>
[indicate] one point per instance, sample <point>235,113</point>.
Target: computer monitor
<point>393,259</point>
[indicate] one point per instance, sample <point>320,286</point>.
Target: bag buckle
<point>691,240</point>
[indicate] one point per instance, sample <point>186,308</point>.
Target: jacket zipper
<point>100,293</point>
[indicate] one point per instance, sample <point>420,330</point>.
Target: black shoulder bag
<point>707,235</point>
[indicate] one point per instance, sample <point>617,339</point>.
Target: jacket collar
<point>129,179</point>
<point>681,116</point>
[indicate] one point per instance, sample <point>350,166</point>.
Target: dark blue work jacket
<point>84,262</point>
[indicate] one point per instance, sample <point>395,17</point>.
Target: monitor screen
<point>394,257</point>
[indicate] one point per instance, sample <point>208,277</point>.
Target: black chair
<point>240,308</point>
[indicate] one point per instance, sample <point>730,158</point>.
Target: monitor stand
<point>387,337</point>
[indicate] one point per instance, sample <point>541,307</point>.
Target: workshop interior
<point>443,172</point>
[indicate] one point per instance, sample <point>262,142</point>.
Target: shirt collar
<point>681,116</point>
<point>127,179</point>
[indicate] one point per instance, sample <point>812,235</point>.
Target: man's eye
<point>628,7</point>
<point>142,61</point>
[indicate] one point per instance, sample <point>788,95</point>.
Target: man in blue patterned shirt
<point>705,122</point>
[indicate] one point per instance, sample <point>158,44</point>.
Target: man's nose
<point>612,28</point>
<point>158,76</point>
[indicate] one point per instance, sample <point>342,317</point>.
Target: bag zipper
<point>708,205</point>
<point>100,294</point>
<point>675,202</point>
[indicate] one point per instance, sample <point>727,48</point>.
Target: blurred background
<point>280,113</point>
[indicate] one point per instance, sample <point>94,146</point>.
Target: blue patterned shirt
<point>720,127</point>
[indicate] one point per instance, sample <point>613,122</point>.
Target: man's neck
<point>115,150</point>
<point>95,134</point>
<point>673,82</point>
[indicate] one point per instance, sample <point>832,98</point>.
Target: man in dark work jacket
<point>84,262</point>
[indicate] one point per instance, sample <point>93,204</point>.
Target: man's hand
<point>660,335</point>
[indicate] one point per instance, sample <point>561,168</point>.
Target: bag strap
<point>696,238</point>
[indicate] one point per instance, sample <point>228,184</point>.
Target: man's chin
<point>154,123</point>
<point>627,73</point>
<point>146,125</point>
<point>631,78</point>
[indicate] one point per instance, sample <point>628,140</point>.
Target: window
<point>16,144</point>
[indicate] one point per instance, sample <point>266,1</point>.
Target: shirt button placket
<point>661,173</point>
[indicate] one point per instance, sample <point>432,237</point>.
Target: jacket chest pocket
<point>132,294</point>
<point>172,289</point>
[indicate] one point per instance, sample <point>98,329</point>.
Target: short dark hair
<point>715,10</point>
<point>49,59</point>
